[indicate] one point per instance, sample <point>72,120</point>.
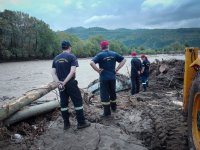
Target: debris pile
<point>168,73</point>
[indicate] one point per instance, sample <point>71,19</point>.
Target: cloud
<point>51,9</point>
<point>67,2</point>
<point>112,14</point>
<point>156,3</point>
<point>96,4</point>
<point>100,18</point>
<point>187,10</point>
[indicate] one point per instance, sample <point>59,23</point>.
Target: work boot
<point>113,107</point>
<point>144,88</point>
<point>83,125</point>
<point>66,125</point>
<point>80,116</point>
<point>65,116</point>
<point>106,113</point>
<point>147,83</point>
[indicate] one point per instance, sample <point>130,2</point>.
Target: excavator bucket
<point>196,63</point>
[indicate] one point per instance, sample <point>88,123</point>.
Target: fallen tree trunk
<point>32,111</point>
<point>9,109</point>
<point>122,83</point>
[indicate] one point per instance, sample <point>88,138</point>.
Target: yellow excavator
<point>191,96</point>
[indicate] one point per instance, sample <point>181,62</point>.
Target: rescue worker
<point>136,67</point>
<point>63,72</point>
<point>107,70</point>
<point>145,72</point>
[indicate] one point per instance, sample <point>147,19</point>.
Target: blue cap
<point>66,44</point>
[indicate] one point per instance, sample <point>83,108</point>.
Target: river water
<point>18,77</point>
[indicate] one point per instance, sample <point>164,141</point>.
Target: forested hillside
<point>23,37</point>
<point>154,39</point>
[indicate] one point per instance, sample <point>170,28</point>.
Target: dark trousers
<point>108,95</point>
<point>145,82</point>
<point>72,91</point>
<point>135,82</point>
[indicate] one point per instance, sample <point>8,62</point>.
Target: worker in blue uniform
<point>63,72</point>
<point>107,70</point>
<point>136,67</point>
<point>145,72</point>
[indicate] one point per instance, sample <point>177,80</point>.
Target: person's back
<point>107,61</point>
<point>63,72</point>
<point>135,74</point>
<point>146,65</point>
<point>145,72</point>
<point>136,66</point>
<point>63,63</point>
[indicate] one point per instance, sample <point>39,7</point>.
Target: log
<point>122,83</point>
<point>32,111</point>
<point>9,109</point>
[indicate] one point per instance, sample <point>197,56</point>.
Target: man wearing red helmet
<point>107,62</point>
<point>135,73</point>
<point>145,72</point>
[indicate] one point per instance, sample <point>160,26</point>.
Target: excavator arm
<point>192,96</point>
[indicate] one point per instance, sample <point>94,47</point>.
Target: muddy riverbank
<point>148,120</point>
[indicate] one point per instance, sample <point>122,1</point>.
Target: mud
<point>148,120</point>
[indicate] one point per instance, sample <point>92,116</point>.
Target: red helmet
<point>143,56</point>
<point>133,54</point>
<point>104,43</point>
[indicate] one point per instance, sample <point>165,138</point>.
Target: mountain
<point>148,38</point>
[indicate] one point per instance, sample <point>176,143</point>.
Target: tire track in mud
<point>169,126</point>
<point>161,124</point>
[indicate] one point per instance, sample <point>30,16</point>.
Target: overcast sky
<point>111,14</point>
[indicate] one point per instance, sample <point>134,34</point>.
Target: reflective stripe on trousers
<point>64,109</point>
<point>79,108</point>
<point>105,103</point>
<point>113,101</point>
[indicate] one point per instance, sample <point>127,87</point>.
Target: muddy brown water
<point>16,78</point>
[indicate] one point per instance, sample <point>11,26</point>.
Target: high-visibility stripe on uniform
<point>64,109</point>
<point>113,101</point>
<point>144,83</point>
<point>105,103</point>
<point>79,108</point>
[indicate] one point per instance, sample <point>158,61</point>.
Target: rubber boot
<point>107,112</point>
<point>65,116</point>
<point>82,122</point>
<point>144,87</point>
<point>147,83</point>
<point>113,106</point>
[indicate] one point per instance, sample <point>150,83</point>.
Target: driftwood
<point>32,111</point>
<point>9,109</point>
<point>122,83</point>
<point>163,68</point>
